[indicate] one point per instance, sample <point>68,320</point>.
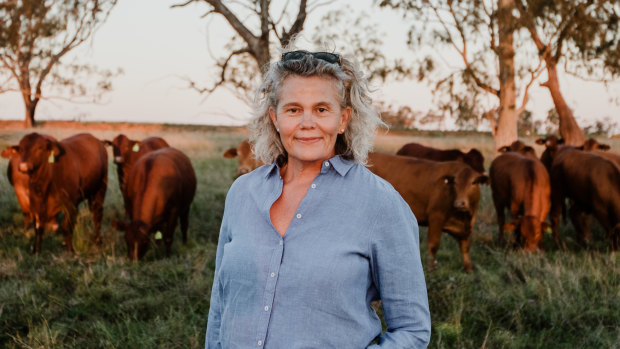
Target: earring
<point>341,130</point>
<point>278,130</point>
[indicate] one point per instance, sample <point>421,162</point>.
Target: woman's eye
<point>322,110</point>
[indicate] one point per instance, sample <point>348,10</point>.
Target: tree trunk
<point>569,129</point>
<point>506,131</point>
<point>30,107</point>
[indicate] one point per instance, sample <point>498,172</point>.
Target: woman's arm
<point>212,340</point>
<point>397,273</point>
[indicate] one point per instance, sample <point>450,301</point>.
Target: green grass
<point>561,298</point>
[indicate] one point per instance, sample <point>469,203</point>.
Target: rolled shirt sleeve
<point>398,275</point>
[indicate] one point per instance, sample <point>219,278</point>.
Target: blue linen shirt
<point>353,240</point>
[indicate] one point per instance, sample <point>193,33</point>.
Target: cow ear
<point>10,151</point>
<point>561,141</point>
<point>511,226</point>
<point>527,148</point>
<point>230,153</point>
<point>604,147</point>
<point>504,149</point>
<point>118,225</point>
<point>107,142</point>
<point>482,179</point>
<point>54,146</point>
<point>541,141</point>
<point>448,179</point>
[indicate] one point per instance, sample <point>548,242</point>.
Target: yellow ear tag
<point>51,158</point>
<point>136,147</point>
<point>158,235</point>
<point>548,230</point>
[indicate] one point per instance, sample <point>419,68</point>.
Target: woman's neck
<point>300,171</point>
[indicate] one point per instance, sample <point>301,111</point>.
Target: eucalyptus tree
<point>581,36</point>
<point>35,36</point>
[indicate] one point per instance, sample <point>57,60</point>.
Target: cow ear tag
<point>136,148</point>
<point>50,159</point>
<point>158,235</point>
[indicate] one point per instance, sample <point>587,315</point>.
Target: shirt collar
<point>341,165</point>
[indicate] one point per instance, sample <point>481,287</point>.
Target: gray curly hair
<point>353,91</point>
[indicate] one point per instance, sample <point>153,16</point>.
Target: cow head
<point>465,187</point>
<point>519,147</point>
<point>593,144</point>
<point>475,159</point>
<point>122,147</point>
<point>36,150</point>
<point>136,237</point>
<point>531,230</point>
<point>245,158</point>
<point>552,145</point>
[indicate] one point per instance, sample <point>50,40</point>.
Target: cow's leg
<point>435,227</point>
<point>516,216</point>
<point>38,236</point>
<point>68,224</point>
<point>464,245</point>
<point>95,205</point>
<point>615,238</point>
<point>581,222</point>
<point>171,225</point>
<point>184,218</point>
<point>557,205</point>
<point>501,219</point>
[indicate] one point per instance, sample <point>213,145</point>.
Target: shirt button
<point>313,185</point>
<point>326,164</point>
<point>273,274</point>
<point>299,215</point>
<point>260,343</point>
<point>266,307</point>
<point>281,242</point>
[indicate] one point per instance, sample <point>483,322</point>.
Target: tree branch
<point>297,26</point>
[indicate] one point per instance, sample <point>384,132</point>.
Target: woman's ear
<point>274,117</point>
<point>346,116</point>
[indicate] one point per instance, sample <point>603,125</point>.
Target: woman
<point>307,242</point>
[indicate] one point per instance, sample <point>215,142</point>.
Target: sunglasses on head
<point>324,56</point>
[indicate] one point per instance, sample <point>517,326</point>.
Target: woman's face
<point>309,117</point>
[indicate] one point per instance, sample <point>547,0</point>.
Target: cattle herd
<point>442,187</point>
<point>51,178</point>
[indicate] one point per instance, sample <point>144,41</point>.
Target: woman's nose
<point>307,120</point>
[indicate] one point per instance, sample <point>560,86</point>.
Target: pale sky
<point>157,46</point>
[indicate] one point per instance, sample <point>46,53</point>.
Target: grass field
<point>560,298</point>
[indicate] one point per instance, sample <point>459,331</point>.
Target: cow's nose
<point>23,167</point>
<point>460,204</point>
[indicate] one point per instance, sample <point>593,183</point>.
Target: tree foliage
<point>36,35</point>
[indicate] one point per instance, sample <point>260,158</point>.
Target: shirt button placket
<point>270,289</point>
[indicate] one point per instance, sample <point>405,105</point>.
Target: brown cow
<point>521,183</point>
<point>63,174</point>
<point>519,147</point>
<point>442,195</point>
<point>245,158</point>
<point>161,187</point>
<point>593,144</point>
<point>473,158</point>
<point>591,182</point>
<point>126,153</point>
